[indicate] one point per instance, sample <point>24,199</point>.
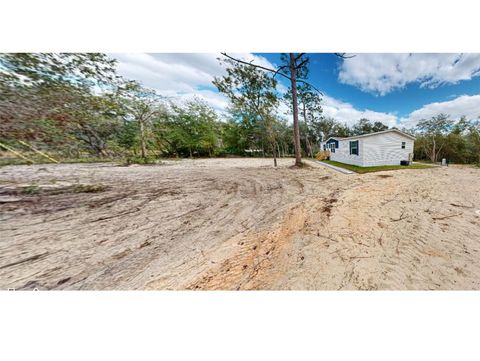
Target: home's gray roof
<point>336,138</point>
<point>370,134</point>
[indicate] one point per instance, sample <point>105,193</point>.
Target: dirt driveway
<point>237,224</point>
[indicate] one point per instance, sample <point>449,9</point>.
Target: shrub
<point>322,155</point>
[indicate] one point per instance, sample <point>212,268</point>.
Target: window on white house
<point>354,147</point>
<point>403,145</point>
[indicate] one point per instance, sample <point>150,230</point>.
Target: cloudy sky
<point>396,89</point>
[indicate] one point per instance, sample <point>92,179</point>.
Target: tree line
<point>441,137</point>
<point>76,106</point>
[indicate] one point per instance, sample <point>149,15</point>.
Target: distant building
<point>388,147</point>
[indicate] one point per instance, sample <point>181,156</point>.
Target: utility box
<point>444,162</point>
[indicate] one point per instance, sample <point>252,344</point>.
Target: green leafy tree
<point>128,136</point>
<point>253,97</point>
<point>189,129</point>
<point>142,106</point>
<point>234,137</point>
<point>365,126</point>
<point>54,98</point>
<point>329,127</point>
<point>473,142</point>
<point>434,131</point>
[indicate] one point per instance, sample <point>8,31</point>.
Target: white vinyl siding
<point>377,149</point>
<point>342,153</point>
<point>386,149</point>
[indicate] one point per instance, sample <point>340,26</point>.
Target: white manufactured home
<point>389,147</point>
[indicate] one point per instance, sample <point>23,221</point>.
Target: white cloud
<point>465,105</point>
<point>383,73</point>
<point>346,113</point>
<point>216,100</point>
<point>180,75</point>
<point>184,76</point>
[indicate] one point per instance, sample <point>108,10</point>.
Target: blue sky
<point>324,74</point>
<point>396,89</point>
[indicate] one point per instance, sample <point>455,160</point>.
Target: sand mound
<point>240,224</point>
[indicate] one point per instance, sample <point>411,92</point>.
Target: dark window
<point>403,145</point>
<point>354,147</point>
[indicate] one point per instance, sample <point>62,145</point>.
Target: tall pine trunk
<point>296,130</point>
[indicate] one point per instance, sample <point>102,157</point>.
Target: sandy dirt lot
<point>238,224</point>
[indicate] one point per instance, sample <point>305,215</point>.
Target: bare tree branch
<point>279,69</point>
<point>344,56</point>
<point>271,70</point>
<point>306,82</point>
<point>255,65</point>
<point>299,56</point>
<point>302,63</point>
